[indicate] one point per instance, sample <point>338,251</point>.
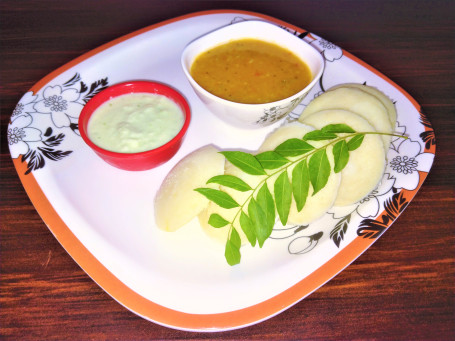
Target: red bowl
<point>142,160</point>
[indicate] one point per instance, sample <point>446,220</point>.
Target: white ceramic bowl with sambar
<point>248,115</point>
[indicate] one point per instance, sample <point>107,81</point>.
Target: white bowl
<point>252,115</point>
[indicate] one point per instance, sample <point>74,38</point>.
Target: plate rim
<point>160,314</point>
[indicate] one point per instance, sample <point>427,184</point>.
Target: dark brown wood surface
<point>402,288</point>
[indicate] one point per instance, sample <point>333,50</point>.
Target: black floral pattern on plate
<point>370,228</point>
<point>36,143</point>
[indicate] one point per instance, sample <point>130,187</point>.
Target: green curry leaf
<point>293,147</point>
<point>337,128</point>
<point>245,162</point>
<point>300,184</point>
<point>232,249</point>
<point>271,160</point>
<point>217,221</point>
<point>340,155</point>
<point>355,142</point>
<point>283,196</point>
<point>218,197</point>
<point>230,181</point>
<point>248,228</point>
<point>319,135</point>
<point>319,167</point>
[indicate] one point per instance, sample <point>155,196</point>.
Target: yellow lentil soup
<point>250,71</point>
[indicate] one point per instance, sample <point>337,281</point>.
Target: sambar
<point>250,71</point>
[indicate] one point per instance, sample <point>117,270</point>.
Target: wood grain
<point>402,288</point>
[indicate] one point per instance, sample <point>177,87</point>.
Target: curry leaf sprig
<point>309,167</point>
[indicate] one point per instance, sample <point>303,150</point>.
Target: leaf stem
<point>329,134</point>
<point>298,159</point>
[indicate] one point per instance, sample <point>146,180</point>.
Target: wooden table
<point>402,288</point>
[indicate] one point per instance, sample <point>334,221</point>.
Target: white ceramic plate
<point>104,217</point>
